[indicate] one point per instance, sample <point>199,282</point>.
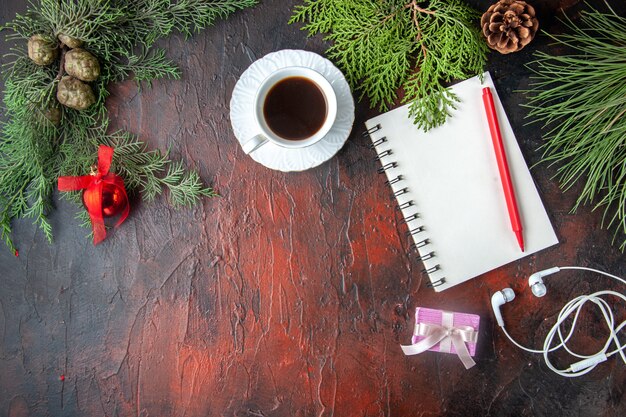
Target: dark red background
<point>290,294</point>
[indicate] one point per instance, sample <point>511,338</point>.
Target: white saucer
<point>278,157</point>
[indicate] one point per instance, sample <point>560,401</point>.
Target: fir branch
<point>580,100</point>
<point>34,151</point>
<point>148,66</point>
<point>186,16</point>
<point>185,186</point>
<point>5,231</point>
<point>26,178</point>
<point>145,171</point>
<point>387,45</point>
<point>84,220</point>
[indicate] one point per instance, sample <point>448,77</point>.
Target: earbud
<point>537,286</point>
<point>499,298</point>
<point>535,281</point>
<point>572,308</point>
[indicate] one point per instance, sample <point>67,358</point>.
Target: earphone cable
<point>574,307</point>
<point>582,268</point>
<point>519,345</point>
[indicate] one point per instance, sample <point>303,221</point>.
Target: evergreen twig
<point>386,45</point>
<point>580,99</point>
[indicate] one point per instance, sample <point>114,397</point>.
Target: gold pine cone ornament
<point>41,50</point>
<point>509,25</point>
<point>82,65</point>
<point>73,93</point>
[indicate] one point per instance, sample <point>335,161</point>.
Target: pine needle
<point>580,99</point>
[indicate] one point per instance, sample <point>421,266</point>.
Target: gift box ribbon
<point>446,334</point>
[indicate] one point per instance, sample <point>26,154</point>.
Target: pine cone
<point>509,25</point>
<point>74,93</point>
<point>53,114</point>
<point>41,50</point>
<point>69,41</point>
<point>82,65</point>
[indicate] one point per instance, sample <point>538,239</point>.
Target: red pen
<point>503,166</point>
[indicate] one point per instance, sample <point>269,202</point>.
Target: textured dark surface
<point>290,294</point>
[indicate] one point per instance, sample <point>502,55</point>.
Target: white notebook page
<point>452,179</point>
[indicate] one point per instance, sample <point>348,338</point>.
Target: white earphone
<point>588,362</point>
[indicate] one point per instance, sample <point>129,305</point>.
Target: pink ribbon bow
<point>458,336</point>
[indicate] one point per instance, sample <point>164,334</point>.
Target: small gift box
<point>445,331</point>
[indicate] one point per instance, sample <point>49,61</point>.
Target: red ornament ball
<point>114,200</point>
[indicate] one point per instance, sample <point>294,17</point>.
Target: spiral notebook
<point>448,188</point>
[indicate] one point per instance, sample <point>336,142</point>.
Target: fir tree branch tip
<point>384,46</point>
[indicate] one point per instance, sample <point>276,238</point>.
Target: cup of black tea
<point>295,107</point>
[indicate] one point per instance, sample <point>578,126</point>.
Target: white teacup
<point>266,134</point>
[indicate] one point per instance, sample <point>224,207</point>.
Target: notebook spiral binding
<point>370,131</point>
<point>395,180</point>
<point>415,231</point>
<point>383,154</point>
<point>437,283</point>
<point>404,205</point>
<point>385,167</point>
<point>400,192</point>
